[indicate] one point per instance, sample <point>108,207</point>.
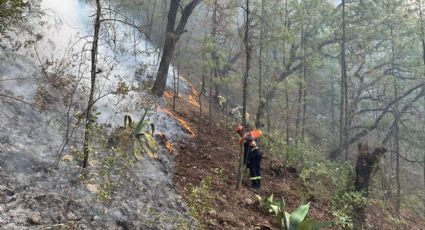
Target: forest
<point>131,114</point>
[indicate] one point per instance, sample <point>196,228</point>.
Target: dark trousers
<point>254,164</point>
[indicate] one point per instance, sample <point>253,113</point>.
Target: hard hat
<point>239,128</point>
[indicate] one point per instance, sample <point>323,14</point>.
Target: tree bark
<point>343,103</point>
<point>214,55</point>
<point>247,65</point>
<point>171,37</point>
<point>260,111</point>
<point>245,86</point>
<point>333,123</point>
<point>93,73</point>
<point>423,59</point>
<point>202,91</point>
<point>396,127</point>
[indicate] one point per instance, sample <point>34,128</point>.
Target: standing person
<point>254,164</point>
<point>245,139</point>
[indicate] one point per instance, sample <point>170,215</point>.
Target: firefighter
<point>254,164</point>
<point>245,139</point>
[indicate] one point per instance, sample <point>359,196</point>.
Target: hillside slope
<point>205,174</point>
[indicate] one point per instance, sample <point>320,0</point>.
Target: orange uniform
<point>253,135</point>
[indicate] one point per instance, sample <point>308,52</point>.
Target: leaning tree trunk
<point>365,163</point>
<point>93,73</point>
<point>260,111</point>
<point>171,37</point>
<point>245,86</point>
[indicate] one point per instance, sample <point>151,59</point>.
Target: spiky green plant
<point>139,140</point>
<point>143,135</point>
<point>290,221</point>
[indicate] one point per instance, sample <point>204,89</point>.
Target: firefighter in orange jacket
<point>245,138</point>
<point>254,168</point>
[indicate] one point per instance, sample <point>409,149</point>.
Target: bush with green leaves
<point>290,221</point>
<point>342,208</point>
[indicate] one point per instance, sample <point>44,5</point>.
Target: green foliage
<point>138,140</point>
<point>290,221</point>
<point>145,139</point>
<point>200,198</point>
<point>220,173</point>
<point>342,206</point>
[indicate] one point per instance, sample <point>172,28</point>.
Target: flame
<point>168,94</point>
<point>192,101</point>
<point>168,144</point>
<point>179,119</point>
<point>170,147</point>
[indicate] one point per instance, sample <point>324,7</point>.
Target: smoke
<point>67,22</point>
<point>63,49</point>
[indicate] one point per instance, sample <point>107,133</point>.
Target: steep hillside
<point>205,174</point>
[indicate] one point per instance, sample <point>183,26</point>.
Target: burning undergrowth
<point>179,119</point>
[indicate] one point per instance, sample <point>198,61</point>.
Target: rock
<point>218,149</point>
<point>35,219</point>
<point>222,200</point>
<point>249,201</point>
<point>70,216</point>
<point>212,212</point>
<point>214,222</point>
<point>227,217</point>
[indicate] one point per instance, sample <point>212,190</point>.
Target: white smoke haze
<point>63,49</point>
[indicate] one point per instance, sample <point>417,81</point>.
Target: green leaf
<point>298,215</point>
<point>151,141</point>
<point>148,150</point>
<point>312,225</point>
<point>287,217</point>
<point>270,199</point>
<point>141,124</point>
<point>274,209</point>
<point>137,151</point>
<point>127,121</point>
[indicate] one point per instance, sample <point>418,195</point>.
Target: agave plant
<point>290,221</point>
<point>136,141</point>
<point>143,139</point>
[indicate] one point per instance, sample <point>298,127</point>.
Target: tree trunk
<point>396,128</point>
<point>202,91</point>
<point>287,109</point>
<point>260,111</point>
<point>247,65</point>
<point>333,123</point>
<point>164,65</point>
<point>210,96</point>
<point>343,105</point>
<point>174,89</point>
<point>214,55</point>
<point>423,59</point>
<point>245,86</point>
<point>171,38</point>
<point>93,73</point>
<point>365,163</point>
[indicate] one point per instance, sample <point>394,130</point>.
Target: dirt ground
<point>213,152</point>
